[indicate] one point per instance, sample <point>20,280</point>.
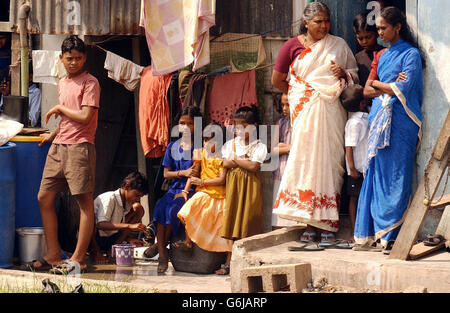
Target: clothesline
<point>213,73</point>
<point>94,44</point>
<point>258,35</point>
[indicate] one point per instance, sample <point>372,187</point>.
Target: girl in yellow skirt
<point>202,214</point>
<point>243,156</point>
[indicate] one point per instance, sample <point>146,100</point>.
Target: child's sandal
<point>224,270</point>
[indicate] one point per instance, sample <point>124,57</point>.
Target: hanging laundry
<point>174,99</point>
<point>229,93</point>
<point>193,89</point>
<point>178,33</point>
<point>183,82</point>
<point>242,52</point>
<point>47,67</point>
<point>123,71</point>
<point>142,14</point>
<point>154,114</point>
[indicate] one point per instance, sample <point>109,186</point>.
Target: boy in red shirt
<point>71,159</point>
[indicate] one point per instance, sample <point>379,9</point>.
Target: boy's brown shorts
<point>70,167</point>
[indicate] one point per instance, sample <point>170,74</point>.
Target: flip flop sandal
<point>313,247</point>
<point>309,235</point>
<point>433,240</point>
<point>44,268</point>
<point>67,268</point>
<point>151,251</point>
<point>297,247</point>
<point>344,244</point>
<point>388,248</point>
<point>366,248</point>
<point>163,265</point>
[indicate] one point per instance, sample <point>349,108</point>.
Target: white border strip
<point>402,99</point>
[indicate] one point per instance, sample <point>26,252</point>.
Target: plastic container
<point>31,243</point>
<point>30,164</point>
<point>123,254</point>
<point>7,203</point>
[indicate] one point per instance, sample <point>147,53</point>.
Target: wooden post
<point>416,212</point>
<point>441,145</point>
<point>15,64</point>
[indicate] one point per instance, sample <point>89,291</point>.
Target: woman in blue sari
<point>395,122</point>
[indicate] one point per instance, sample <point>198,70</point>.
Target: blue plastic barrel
<point>7,203</point>
<point>30,164</point>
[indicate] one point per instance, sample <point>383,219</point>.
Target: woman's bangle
<point>185,191</point>
<point>201,183</point>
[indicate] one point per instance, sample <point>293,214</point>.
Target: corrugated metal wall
<point>81,17</point>
<point>253,17</point>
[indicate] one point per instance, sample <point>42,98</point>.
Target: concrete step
<point>354,269</point>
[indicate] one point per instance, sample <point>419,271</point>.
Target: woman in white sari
<point>310,188</point>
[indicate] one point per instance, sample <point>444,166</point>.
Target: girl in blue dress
<point>178,167</point>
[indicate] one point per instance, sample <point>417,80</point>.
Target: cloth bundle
<point>8,129</point>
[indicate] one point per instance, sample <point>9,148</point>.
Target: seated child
<point>282,148</point>
<point>202,214</point>
<point>178,167</point>
<point>117,214</point>
<point>356,144</point>
<point>243,156</point>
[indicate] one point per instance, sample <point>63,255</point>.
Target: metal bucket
<point>31,241</point>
